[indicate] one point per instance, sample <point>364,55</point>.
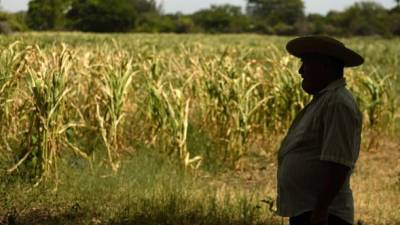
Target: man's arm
<point>334,177</point>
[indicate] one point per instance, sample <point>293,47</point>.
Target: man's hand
<point>319,217</point>
<point>334,178</point>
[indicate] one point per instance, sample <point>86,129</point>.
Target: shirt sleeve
<point>341,134</point>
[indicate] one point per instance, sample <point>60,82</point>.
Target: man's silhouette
<point>319,152</point>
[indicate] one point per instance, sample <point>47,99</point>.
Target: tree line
<point>276,17</point>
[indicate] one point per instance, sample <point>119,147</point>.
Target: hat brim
<point>323,46</point>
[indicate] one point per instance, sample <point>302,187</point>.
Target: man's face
<point>314,74</point>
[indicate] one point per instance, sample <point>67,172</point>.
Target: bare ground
<point>375,181</point>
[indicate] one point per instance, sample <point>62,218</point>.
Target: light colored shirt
<point>327,129</point>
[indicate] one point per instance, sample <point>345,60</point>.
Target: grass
<point>149,189</point>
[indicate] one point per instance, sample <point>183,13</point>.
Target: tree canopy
<point>46,14</point>
<point>102,16</point>
<point>280,17</point>
<point>221,18</point>
<point>276,11</point>
<point>366,18</point>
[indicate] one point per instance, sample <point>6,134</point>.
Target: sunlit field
<point>173,129</point>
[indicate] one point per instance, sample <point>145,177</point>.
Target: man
<point>319,152</point>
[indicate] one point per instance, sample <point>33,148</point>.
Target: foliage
<point>183,24</point>
<point>366,18</point>
<point>276,11</point>
<point>279,17</point>
<point>394,15</point>
<point>82,96</point>
<point>89,15</point>
<point>46,14</point>
<point>47,122</point>
<point>12,22</point>
<point>361,19</point>
<point>102,16</point>
<point>153,23</point>
<point>221,19</point>
<point>110,103</point>
<point>144,6</point>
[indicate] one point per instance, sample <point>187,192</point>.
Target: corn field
<point>104,96</point>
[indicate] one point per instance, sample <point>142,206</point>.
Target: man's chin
<point>307,88</point>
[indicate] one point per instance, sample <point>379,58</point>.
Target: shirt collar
<point>341,82</point>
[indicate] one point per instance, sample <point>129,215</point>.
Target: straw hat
<point>323,45</point>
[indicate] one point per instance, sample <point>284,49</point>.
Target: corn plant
<point>374,94</point>
<point>10,59</point>
<point>178,109</point>
<point>234,102</point>
<point>375,91</point>
<point>247,105</point>
<point>11,67</point>
<point>168,109</point>
<point>114,86</point>
<point>48,91</point>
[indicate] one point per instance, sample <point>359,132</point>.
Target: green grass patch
<point>149,188</point>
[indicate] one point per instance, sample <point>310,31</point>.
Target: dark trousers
<point>304,219</point>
